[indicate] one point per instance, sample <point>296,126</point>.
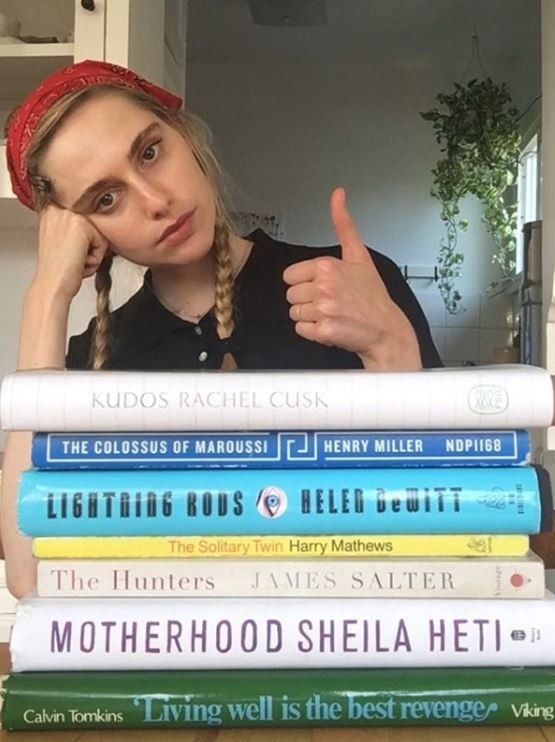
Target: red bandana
<point>76,76</point>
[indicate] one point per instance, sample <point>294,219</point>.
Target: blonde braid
<point>100,344</point>
<point>223,308</point>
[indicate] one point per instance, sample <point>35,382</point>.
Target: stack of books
<point>270,577</point>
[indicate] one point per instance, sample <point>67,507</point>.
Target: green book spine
<point>279,698</point>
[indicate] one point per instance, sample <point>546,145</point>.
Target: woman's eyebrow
<point>100,185</point>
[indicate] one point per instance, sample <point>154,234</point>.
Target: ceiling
<point>410,32</point>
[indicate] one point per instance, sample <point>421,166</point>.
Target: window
<point>527,193</point>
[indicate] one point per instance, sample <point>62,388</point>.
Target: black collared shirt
<point>147,336</point>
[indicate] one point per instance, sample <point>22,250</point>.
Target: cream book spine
<point>419,577</point>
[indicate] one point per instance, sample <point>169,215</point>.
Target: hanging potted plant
<point>479,137</point>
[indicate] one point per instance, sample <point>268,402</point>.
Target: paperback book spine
<point>303,501</point>
<point>278,698</point>
<point>486,397</point>
<point>278,449</point>
<point>278,547</point>
<point>242,633</point>
<point>343,578</point>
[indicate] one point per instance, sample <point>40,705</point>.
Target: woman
<point>113,168</point>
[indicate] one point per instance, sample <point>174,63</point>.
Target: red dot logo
<point>517,580</point>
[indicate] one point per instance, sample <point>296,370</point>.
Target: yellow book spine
<point>191,547</point>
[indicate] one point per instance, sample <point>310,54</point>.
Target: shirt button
<point>198,330</point>
<point>203,356</point>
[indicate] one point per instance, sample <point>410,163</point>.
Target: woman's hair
<point>198,137</point>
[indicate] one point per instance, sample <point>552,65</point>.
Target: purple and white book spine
<point>222,633</point>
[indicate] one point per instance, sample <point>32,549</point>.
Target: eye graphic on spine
<point>271,502</point>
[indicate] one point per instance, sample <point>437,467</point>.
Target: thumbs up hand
<point>343,302</point>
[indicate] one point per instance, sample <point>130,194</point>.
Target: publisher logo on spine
<point>271,502</point>
<point>518,635</point>
<point>488,399</point>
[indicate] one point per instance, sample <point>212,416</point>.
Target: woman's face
<point>133,176</point>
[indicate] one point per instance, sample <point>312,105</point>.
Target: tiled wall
<point>472,335</point>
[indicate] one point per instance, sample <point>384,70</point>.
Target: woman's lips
<point>179,231</point>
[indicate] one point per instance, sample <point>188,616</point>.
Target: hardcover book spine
<point>135,700</point>
<point>483,397</point>
<point>277,547</point>
<point>278,449</point>
<point>346,578</point>
<point>208,633</point>
<point>303,501</point>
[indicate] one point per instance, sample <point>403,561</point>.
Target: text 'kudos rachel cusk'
<point>213,399</point>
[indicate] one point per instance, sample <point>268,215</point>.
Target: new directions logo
<point>488,399</point>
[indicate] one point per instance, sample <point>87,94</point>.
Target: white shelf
<point>5,185</point>
<point>36,50</point>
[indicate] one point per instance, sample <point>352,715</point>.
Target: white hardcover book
<point>454,577</point>
<point>242,633</point>
<point>477,397</point>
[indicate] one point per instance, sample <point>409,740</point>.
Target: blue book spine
<point>277,449</point>
<point>302,501</point>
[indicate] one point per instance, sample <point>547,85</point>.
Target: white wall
<point>289,132</point>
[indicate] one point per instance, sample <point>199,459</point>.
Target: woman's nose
<point>155,199</point>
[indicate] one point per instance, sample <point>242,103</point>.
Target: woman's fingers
<point>304,312</point>
<point>300,293</point>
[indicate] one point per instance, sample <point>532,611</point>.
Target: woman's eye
<point>151,151</point>
<point>105,203</point>
<point>106,200</point>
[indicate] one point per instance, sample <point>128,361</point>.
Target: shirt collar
<point>143,321</point>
